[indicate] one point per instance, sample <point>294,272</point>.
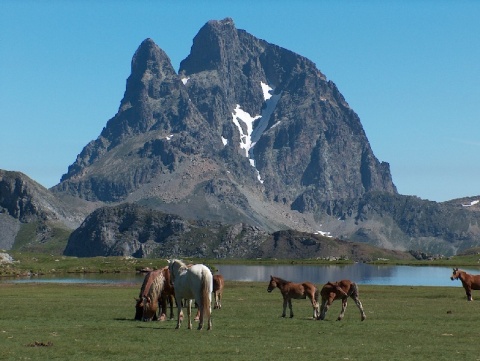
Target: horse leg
<point>324,308</point>
<point>468,291</point>
<point>189,314</point>
<point>179,313</point>
<point>197,315</point>
<point>284,313</point>
<point>171,300</point>
<point>219,299</point>
<point>360,307</point>
<point>344,307</point>
<point>200,315</point>
<point>290,307</point>
<point>163,308</point>
<point>315,306</point>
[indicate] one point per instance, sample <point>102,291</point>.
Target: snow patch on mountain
<point>245,123</point>
<point>472,203</point>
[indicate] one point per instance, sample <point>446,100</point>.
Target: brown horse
<point>218,283</point>
<point>343,289</point>
<point>291,290</point>
<point>469,282</point>
<point>155,292</point>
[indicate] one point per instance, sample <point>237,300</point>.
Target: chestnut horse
<point>156,290</point>
<point>291,290</point>
<point>340,290</point>
<point>218,283</point>
<point>469,282</point>
<point>195,282</point>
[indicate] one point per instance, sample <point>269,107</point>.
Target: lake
<point>360,272</point>
<point>319,274</point>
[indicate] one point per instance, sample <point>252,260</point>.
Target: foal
<point>469,282</point>
<point>218,283</point>
<point>291,290</point>
<point>340,290</point>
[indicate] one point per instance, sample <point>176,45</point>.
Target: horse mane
<point>153,284</point>
<point>280,280</point>
<point>179,262</point>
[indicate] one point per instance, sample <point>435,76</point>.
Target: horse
<point>339,290</point>
<point>156,291</point>
<point>218,283</point>
<point>195,282</point>
<point>469,282</point>
<point>291,290</point>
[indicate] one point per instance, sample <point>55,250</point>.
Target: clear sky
<point>409,68</point>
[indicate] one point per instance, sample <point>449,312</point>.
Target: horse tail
<point>207,288</point>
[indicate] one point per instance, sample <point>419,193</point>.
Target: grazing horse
<point>195,282</point>
<point>469,282</point>
<point>218,283</point>
<point>291,290</point>
<point>156,290</point>
<point>340,290</point>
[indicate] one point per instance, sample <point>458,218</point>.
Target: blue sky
<point>410,70</point>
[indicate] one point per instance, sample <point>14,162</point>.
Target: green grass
<point>95,322</point>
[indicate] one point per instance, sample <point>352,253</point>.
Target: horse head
<point>138,309</point>
<point>455,274</point>
<point>272,284</point>
<point>149,309</point>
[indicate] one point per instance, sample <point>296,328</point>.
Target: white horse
<point>195,282</point>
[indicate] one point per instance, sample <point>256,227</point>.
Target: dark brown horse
<point>218,283</point>
<point>291,290</point>
<point>469,282</point>
<point>156,291</point>
<point>340,290</point>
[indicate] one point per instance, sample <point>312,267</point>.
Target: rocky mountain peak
<point>264,123</point>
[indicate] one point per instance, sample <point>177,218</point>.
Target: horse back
<point>338,290</point>
<point>475,282</point>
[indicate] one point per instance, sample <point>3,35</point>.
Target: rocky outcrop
<point>132,230</point>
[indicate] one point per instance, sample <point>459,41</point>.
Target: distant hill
<point>133,230</point>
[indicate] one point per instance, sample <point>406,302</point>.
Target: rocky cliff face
<point>247,131</point>
<point>277,109</point>
<point>24,202</point>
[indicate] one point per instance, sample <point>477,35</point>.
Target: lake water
<point>360,272</point>
<point>318,274</point>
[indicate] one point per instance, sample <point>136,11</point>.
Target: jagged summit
<point>244,122</point>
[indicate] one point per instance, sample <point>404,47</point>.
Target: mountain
<point>246,132</point>
<point>246,136</point>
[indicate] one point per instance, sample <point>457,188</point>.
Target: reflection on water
<point>361,273</point>
<point>318,274</point>
<point>81,278</point>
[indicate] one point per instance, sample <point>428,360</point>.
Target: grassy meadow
<point>95,322</point>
